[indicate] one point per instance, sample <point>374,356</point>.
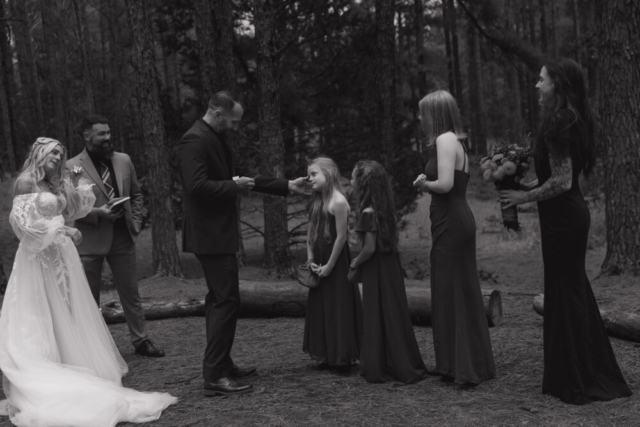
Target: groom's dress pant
<point>122,260</point>
<point>222,305</point>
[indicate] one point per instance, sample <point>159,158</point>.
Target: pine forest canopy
<point>348,74</point>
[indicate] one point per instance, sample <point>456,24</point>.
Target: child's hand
<point>419,182</point>
<point>323,270</point>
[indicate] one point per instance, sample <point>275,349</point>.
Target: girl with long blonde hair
<point>333,324</point>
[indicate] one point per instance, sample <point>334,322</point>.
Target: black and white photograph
<point>319,213</point>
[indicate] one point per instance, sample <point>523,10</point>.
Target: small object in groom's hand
<point>235,178</point>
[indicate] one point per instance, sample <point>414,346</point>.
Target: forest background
<point>337,77</point>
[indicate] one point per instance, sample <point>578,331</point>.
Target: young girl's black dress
<point>333,323</point>
<point>389,347</point>
<point>579,364</point>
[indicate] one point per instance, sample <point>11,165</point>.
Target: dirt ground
<point>290,392</point>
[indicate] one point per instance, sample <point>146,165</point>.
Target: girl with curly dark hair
<point>389,347</point>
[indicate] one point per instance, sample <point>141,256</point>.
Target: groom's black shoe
<point>237,372</point>
<point>146,348</point>
<point>225,387</point>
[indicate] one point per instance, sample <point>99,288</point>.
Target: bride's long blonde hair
<point>32,171</point>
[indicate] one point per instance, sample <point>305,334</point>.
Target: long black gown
<point>333,323</point>
<point>579,364</point>
<point>389,347</point>
<point>460,331</point>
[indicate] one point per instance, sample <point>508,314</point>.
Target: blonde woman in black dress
<point>460,331</point>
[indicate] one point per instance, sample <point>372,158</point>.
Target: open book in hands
<point>116,201</point>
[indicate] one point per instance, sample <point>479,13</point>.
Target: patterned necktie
<point>106,179</point>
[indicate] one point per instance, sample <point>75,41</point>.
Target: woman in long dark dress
<point>333,324</point>
<point>460,330</point>
<point>579,364</point>
<point>389,347</point>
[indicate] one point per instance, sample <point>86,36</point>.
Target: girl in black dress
<point>389,347</point>
<point>333,323</point>
<point>579,364</point>
<point>460,330</point>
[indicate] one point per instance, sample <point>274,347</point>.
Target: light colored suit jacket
<point>97,233</point>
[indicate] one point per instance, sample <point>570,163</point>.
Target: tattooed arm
<point>558,145</point>
<point>559,182</point>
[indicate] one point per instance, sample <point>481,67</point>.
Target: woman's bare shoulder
<point>24,185</point>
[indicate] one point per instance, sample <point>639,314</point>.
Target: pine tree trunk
<point>554,40</point>
<point>206,39</point>
<point>10,101</point>
<point>420,49</point>
<point>543,25</point>
<point>276,233</point>
<point>5,125</point>
<point>28,72</point>
<point>478,121</point>
<point>7,102</point>
<point>54,125</point>
<point>114,73</point>
<point>385,83</point>
<point>164,247</point>
<point>453,28</point>
<point>620,132</point>
<point>87,104</point>
<point>533,92</point>
<point>513,100</point>
<point>447,47</point>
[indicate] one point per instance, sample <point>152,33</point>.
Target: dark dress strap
<point>464,148</point>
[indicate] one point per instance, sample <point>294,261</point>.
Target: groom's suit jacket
<point>207,168</point>
<point>97,233</point>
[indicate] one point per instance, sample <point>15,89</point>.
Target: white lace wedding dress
<point>59,362</point>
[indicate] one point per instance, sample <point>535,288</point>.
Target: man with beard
<point>109,232</point>
<point>211,181</point>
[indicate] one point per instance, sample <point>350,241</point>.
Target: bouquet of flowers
<point>507,165</point>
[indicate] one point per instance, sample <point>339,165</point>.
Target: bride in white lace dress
<point>59,363</point>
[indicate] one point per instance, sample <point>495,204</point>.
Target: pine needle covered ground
<point>289,391</point>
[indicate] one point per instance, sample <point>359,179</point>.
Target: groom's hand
<point>245,183</point>
<point>299,186</point>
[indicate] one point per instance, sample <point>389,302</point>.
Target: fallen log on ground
<point>621,325</point>
<point>289,299</point>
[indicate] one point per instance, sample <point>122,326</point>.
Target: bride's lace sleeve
<point>80,199</point>
<point>35,230</point>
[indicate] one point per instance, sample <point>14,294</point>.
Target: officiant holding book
<point>110,230</point>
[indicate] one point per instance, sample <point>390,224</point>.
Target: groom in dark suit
<point>211,182</point>
<point>111,233</point>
